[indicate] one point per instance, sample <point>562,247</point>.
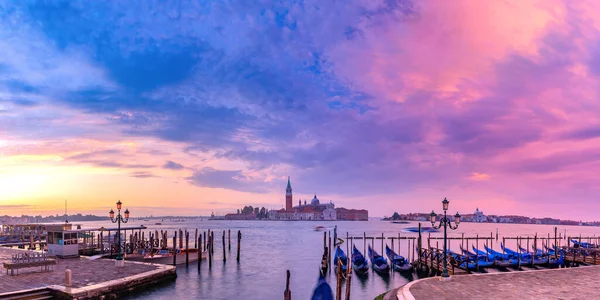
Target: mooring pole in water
<point>204,246</point>
<point>210,237</point>
<point>212,242</point>
<point>229,238</point>
<point>365,243</point>
<point>199,251</point>
<point>238,248</point>
<point>196,239</point>
<point>329,249</point>
<point>381,244</point>
<point>348,281</point>
<point>187,248</point>
<point>324,240</point>
<point>338,286</point>
<point>287,294</point>
<point>175,249</point>
<point>555,244</point>
<point>224,257</point>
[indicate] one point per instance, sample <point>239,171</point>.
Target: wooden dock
<point>90,278</point>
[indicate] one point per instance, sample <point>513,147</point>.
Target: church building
<point>315,210</point>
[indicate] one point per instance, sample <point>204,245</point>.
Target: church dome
<point>314,201</point>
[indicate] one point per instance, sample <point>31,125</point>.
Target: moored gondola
<point>398,262</point>
<point>378,262</point>
<point>360,265</point>
<point>340,255</point>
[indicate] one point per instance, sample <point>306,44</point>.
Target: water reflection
<point>270,248</point>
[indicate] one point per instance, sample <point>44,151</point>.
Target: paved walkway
<point>570,283</point>
<point>85,273</point>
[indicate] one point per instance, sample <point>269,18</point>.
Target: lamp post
<point>444,221</point>
<point>118,219</point>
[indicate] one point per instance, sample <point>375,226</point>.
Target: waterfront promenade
<point>569,283</point>
<point>89,277</point>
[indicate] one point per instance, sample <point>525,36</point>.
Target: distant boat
<point>378,262</point>
<point>319,228</point>
<point>360,265</point>
<point>401,222</point>
<point>158,223</point>
<point>416,229</point>
<point>399,263</point>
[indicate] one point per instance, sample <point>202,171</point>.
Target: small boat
<point>158,223</point>
<point>497,255</point>
<point>360,265</point>
<point>577,244</point>
<point>378,262</point>
<point>322,291</point>
<point>400,222</point>
<point>165,256</point>
<point>339,254</point>
<point>319,228</point>
<point>399,263</point>
<point>470,263</point>
<point>416,229</point>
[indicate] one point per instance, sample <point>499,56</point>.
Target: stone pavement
<point>85,273</point>
<point>570,283</point>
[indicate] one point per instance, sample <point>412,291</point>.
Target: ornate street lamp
<point>118,219</point>
<point>444,221</point>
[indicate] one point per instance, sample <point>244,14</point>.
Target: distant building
<point>315,210</point>
<point>352,214</point>
<point>478,216</point>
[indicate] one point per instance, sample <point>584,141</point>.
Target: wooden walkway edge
<point>564,283</point>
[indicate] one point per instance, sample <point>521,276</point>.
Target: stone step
<point>28,295</point>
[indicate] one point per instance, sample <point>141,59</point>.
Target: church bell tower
<point>288,196</point>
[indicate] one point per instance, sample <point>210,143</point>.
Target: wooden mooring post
<point>187,248</point>
<point>348,281</point>
<point>287,294</point>
<point>212,242</point>
<point>175,249</point>
<point>210,237</point>
<point>204,246</point>
<point>229,238</point>
<point>329,249</point>
<point>199,251</point>
<point>238,247</point>
<point>224,256</point>
<point>196,239</point>
<point>338,285</point>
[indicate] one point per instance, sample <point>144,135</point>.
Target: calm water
<point>269,248</point>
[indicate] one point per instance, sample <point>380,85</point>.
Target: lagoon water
<point>269,248</point>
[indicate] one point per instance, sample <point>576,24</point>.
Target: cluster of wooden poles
<point>203,241</point>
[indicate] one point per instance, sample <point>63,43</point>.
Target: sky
<point>189,107</point>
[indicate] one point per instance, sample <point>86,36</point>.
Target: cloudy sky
<point>195,106</point>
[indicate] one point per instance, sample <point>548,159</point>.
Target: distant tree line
<point>394,217</point>
<point>74,218</point>
<point>260,213</point>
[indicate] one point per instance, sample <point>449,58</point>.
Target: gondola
<point>470,260</point>
<point>360,264</point>
<point>524,258</point>
<point>322,291</point>
<point>378,262</point>
<point>399,263</point>
<point>586,245</point>
<point>497,255</point>
<point>339,254</point>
